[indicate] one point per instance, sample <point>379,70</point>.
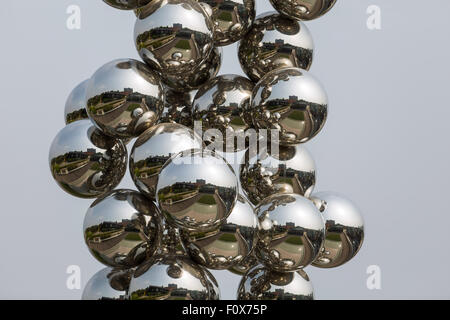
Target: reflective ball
<point>275,42</point>
<point>196,190</point>
<point>286,170</point>
<point>291,232</point>
<point>344,229</point>
<point>220,105</point>
<point>124,98</point>
<point>227,245</point>
<point>261,283</point>
<point>122,229</point>
<point>153,148</point>
<point>174,36</point>
<point>231,18</point>
<point>99,288</point>
<point>128,4</point>
<point>196,77</point>
<point>119,279</point>
<point>76,104</point>
<point>291,101</point>
<point>172,277</point>
<point>303,9</point>
<point>85,162</point>
<point>178,107</point>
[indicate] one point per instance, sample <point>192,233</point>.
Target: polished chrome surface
<point>85,162</point>
<point>153,148</point>
<point>303,9</point>
<point>196,77</point>
<point>228,245</point>
<point>174,36</point>
<point>197,190</point>
<point>172,277</point>
<point>286,170</point>
<point>99,288</point>
<point>122,229</point>
<point>222,104</point>
<point>291,232</point>
<point>344,229</point>
<point>260,283</point>
<point>178,107</point>
<point>291,101</point>
<point>128,4</point>
<point>246,264</point>
<point>275,42</point>
<point>75,108</point>
<point>124,98</point>
<point>119,279</point>
<point>231,18</point>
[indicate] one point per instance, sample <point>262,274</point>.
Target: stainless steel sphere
<point>122,229</point>
<point>196,190</point>
<point>85,162</point>
<point>153,148</point>
<point>124,98</point>
<point>75,108</point>
<point>196,77</point>
<point>344,229</point>
<point>291,101</point>
<point>261,283</point>
<point>172,277</point>
<point>174,36</point>
<point>303,9</point>
<point>286,170</point>
<point>178,107</point>
<point>231,18</point>
<point>222,104</point>
<point>229,244</point>
<point>291,232</point>
<point>128,4</point>
<point>275,42</point>
<point>99,288</point>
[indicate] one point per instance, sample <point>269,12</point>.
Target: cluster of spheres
<point>168,119</point>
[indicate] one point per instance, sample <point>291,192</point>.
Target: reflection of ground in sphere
<point>196,190</point>
<point>172,277</point>
<point>291,232</point>
<point>275,42</point>
<point>260,283</point>
<point>85,162</point>
<point>99,288</point>
<point>303,9</point>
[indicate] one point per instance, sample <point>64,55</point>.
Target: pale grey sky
<point>385,144</point>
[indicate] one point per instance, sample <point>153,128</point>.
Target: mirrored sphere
<point>124,98</point>
<point>119,279</point>
<point>227,245</point>
<point>220,105</point>
<point>303,9</point>
<point>75,108</point>
<point>177,107</point>
<point>128,4</point>
<point>196,190</point>
<point>260,283</point>
<point>291,101</point>
<point>286,170</point>
<point>172,277</point>
<point>174,36</point>
<point>85,162</point>
<point>122,229</point>
<point>291,232</point>
<point>153,148</point>
<point>99,288</point>
<point>231,18</point>
<point>196,77</point>
<point>344,229</point>
<point>275,42</point>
